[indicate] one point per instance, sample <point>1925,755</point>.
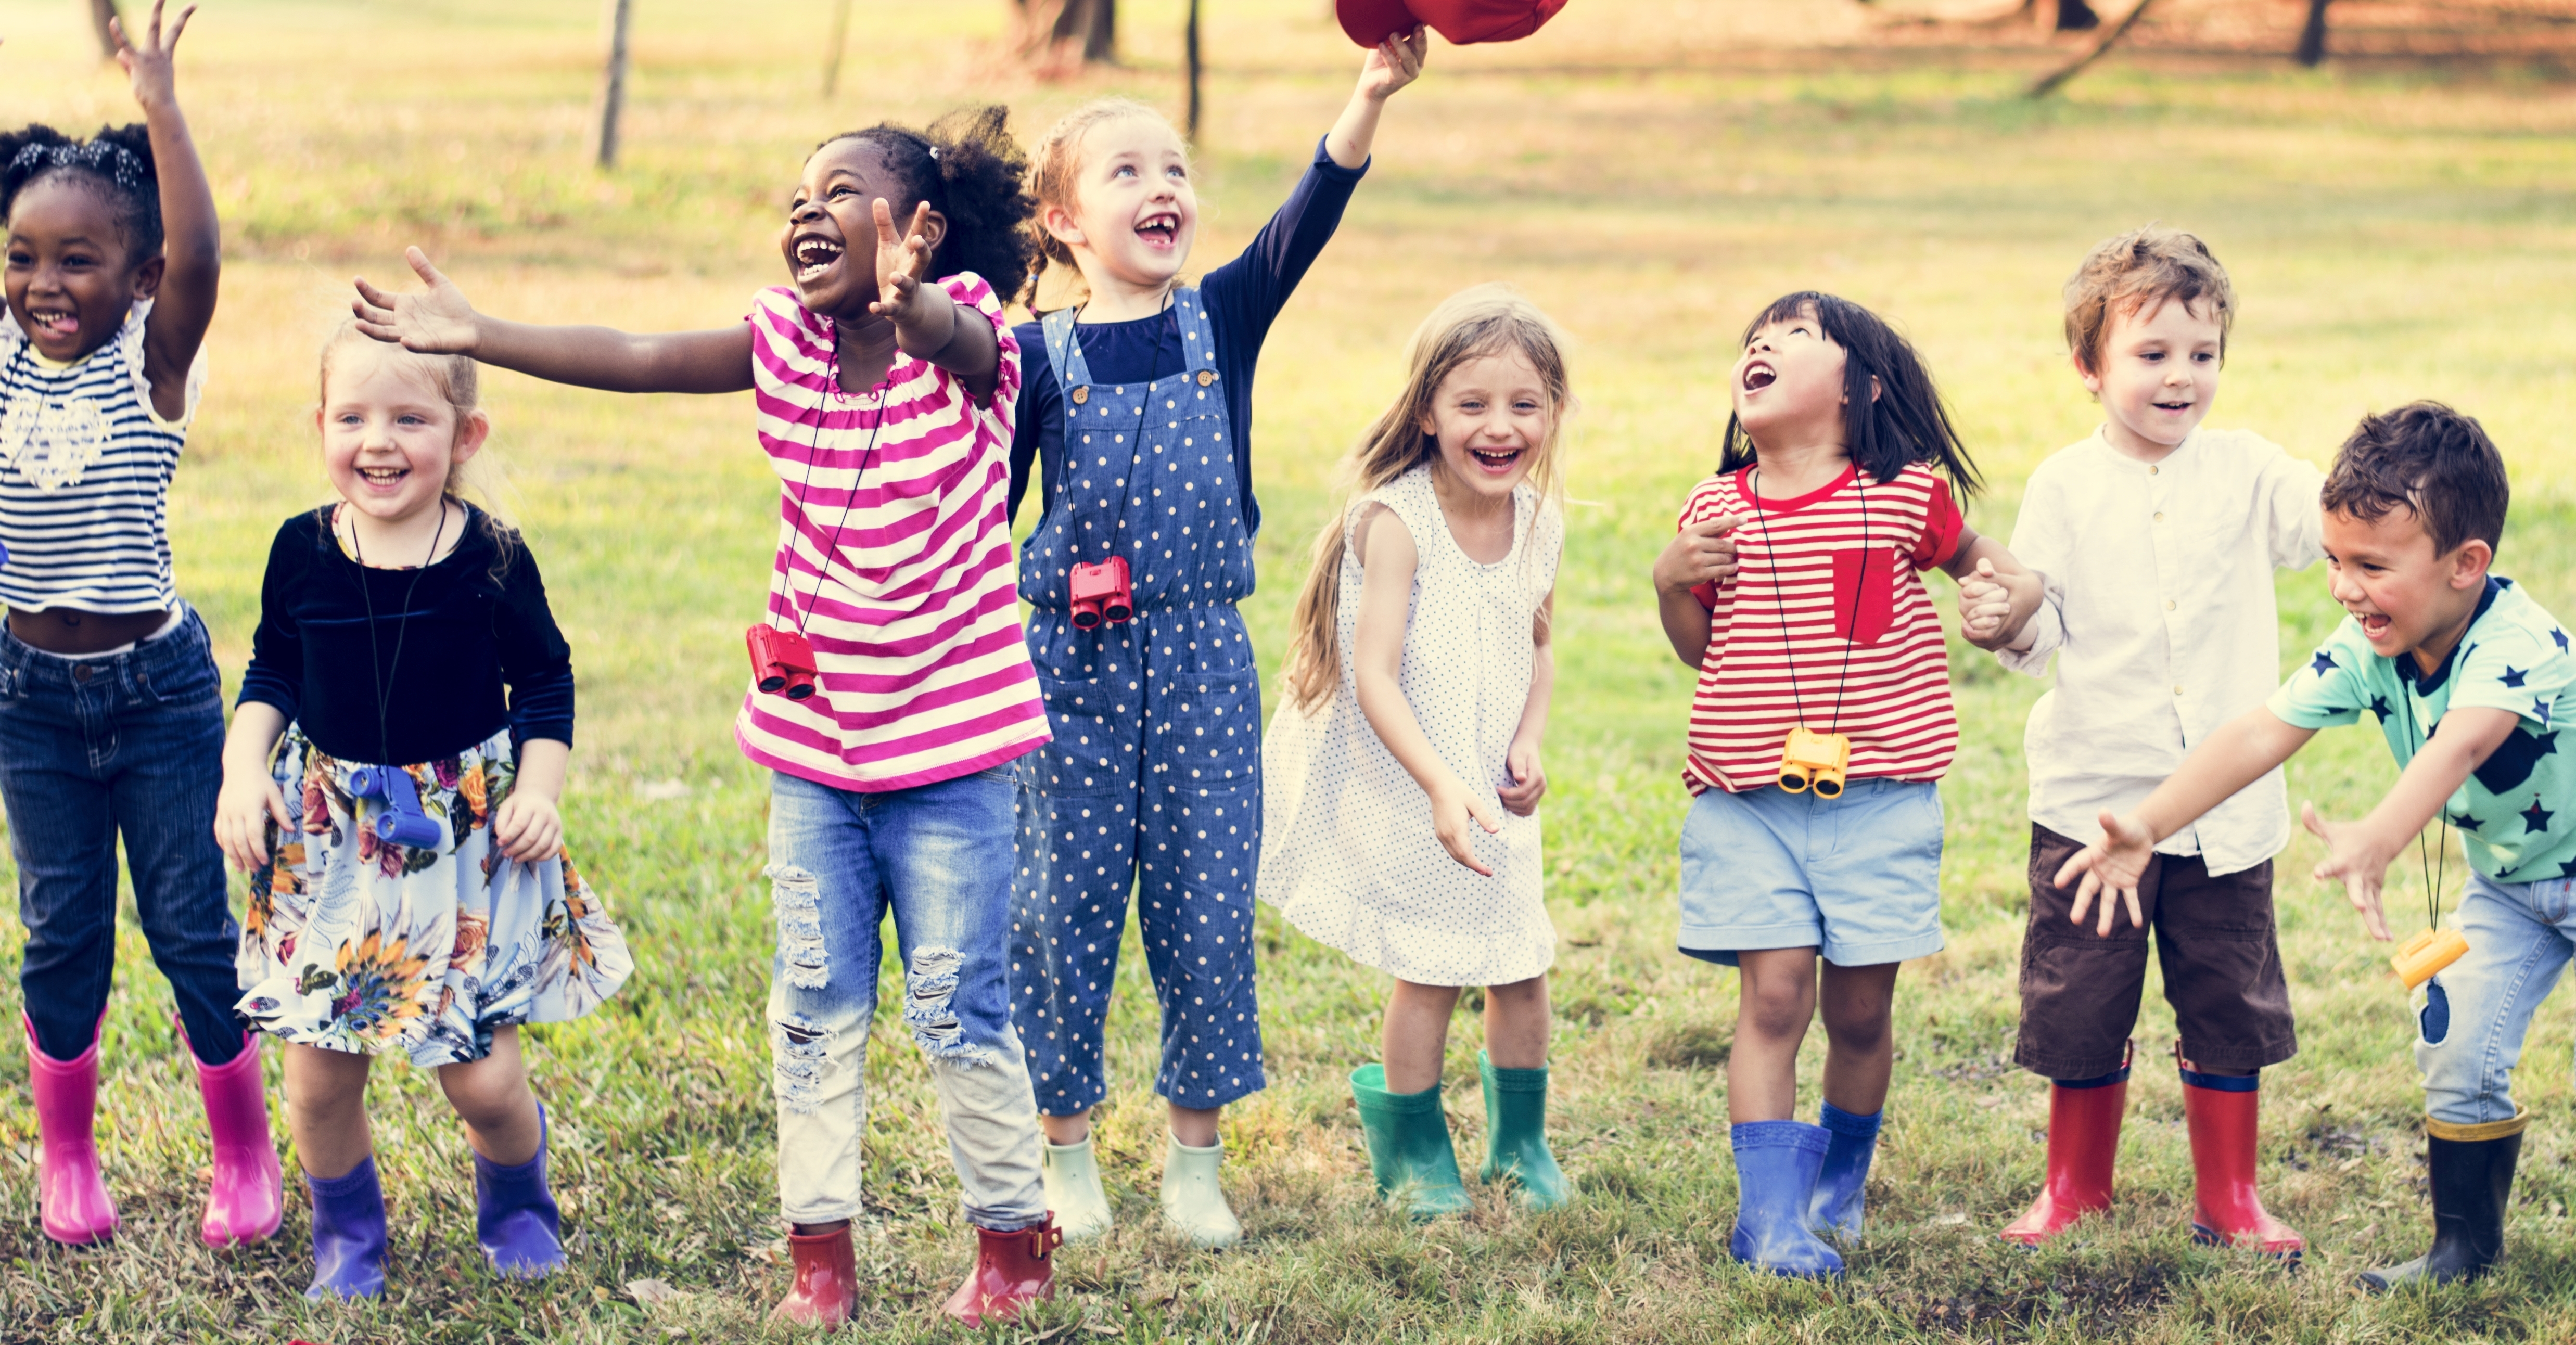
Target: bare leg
<point>1194,1126</point>
<point>1517,1023</point>
<point>1859,1005</point>
<point>1417,1034</point>
<point>491,1096</point>
<point>326,1109</point>
<point>1776,1000</point>
<point>1073,1129</point>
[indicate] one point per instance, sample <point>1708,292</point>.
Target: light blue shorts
<point>1857,877</point>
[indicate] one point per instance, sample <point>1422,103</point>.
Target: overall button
<point>80,672</point>
<point>1081,395</point>
<point>1206,376</point>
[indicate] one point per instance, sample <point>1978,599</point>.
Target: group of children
<point>1003,787</point>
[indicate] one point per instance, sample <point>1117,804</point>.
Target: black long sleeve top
<point>475,625</point>
<point>1242,298</point>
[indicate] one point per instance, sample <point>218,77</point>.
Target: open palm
<point>438,321</point>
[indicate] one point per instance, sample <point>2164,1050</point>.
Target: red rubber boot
<point>2083,1142</point>
<point>2221,1111</point>
<point>827,1280</point>
<point>1011,1269</point>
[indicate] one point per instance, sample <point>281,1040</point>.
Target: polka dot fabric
<point>1153,783</point>
<point>1352,860</point>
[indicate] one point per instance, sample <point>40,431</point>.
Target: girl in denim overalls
<point>1135,409</point>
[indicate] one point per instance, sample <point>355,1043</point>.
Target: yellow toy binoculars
<point>2428,953</point>
<point>1812,760</point>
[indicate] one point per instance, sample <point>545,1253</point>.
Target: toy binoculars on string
<point>1099,593</point>
<point>2420,957</point>
<point>1816,761</point>
<point>782,663</point>
<point>400,821</point>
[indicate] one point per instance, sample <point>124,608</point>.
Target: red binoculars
<point>782,663</point>
<point>1099,592</point>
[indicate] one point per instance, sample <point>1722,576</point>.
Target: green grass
<point>2393,236</point>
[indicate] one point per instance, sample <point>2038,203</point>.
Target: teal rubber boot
<point>1516,1136</point>
<point>1409,1149</point>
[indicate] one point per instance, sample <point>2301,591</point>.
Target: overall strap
<point>1198,335</point>
<point>1064,353</point>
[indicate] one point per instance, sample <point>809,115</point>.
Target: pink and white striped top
<point>924,675</point>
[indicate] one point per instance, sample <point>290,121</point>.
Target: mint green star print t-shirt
<point>2516,813</point>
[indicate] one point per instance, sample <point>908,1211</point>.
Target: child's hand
<point>2354,855</point>
<point>439,322</point>
<point>902,260</point>
<point>1453,811</point>
<point>148,63</point>
<point>527,827</point>
<point>1993,604</point>
<point>243,809</point>
<point>1529,780</point>
<point>1394,63</point>
<point>1703,553</point>
<point>2113,866</point>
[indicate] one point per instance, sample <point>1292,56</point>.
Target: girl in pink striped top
<point>902,692</point>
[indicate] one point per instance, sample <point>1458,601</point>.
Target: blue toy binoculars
<point>400,821</point>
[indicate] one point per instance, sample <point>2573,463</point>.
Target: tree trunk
<point>840,39</point>
<point>2312,36</point>
<point>100,11</point>
<point>1190,55</point>
<point>2052,82</point>
<point>612,102</point>
<point>1093,23</point>
<point>2061,16</point>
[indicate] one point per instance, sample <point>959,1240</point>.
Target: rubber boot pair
<point>1194,1203</point>
<point>1011,1270</point>
<point>516,1221</point>
<point>1777,1164</point>
<point>2472,1180</point>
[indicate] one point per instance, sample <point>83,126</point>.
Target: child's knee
<point>1776,1009</point>
<point>1864,1030</point>
<point>485,1093</point>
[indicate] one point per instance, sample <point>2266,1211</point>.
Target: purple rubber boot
<point>348,1234</point>
<point>515,1217</point>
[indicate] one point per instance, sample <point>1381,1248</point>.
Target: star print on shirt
<point>2465,822</point>
<point>2540,709</point>
<point>2380,707</point>
<point>2535,818</point>
<point>2512,676</point>
<point>2512,760</point>
<point>2560,635</point>
<point>2322,663</point>
<point>2568,869</point>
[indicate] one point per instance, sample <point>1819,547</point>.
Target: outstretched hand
<point>902,260</point>
<point>149,63</point>
<point>2114,865</point>
<point>1394,63</point>
<point>2353,856</point>
<point>438,322</point>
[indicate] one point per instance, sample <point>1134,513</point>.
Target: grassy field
<point>1651,182</point>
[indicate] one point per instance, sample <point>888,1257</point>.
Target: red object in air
<point>1463,22</point>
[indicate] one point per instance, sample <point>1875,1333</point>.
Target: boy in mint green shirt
<point>2414,510</point>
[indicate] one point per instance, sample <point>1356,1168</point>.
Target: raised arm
<point>1388,559</point>
<point>440,321</point>
<point>192,241</point>
<point>927,325</point>
<point>1390,66</point>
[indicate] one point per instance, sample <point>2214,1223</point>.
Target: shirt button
<point>2151,471</point>
<point>2160,516</point>
<point>2169,604</point>
<point>2177,688</point>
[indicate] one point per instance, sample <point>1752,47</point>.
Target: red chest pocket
<point>1865,592</point>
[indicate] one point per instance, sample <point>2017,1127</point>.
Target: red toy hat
<point>1370,22</point>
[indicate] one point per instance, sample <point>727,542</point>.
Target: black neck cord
<point>1064,457</point>
<point>813,450</point>
<point>1842,680</point>
<point>375,652</point>
<point>2432,872</point>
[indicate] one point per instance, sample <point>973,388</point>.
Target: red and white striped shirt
<point>894,558</point>
<point>1825,623</point>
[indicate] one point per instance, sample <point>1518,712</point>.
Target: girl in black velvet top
<point>390,784</point>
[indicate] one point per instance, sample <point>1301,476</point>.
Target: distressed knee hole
<point>2436,1017</point>
<point>796,898</point>
<point>800,1049</point>
<point>930,989</point>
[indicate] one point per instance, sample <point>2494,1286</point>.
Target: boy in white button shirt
<point>2159,540</point>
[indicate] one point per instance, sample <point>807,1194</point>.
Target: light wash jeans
<point>939,858</point>
<point>2477,1010</point>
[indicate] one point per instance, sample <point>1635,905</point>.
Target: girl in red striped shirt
<point>1821,722</point>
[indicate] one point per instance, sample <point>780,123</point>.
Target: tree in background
<point>2312,36</point>
<point>101,14</point>
<point>1052,30</point>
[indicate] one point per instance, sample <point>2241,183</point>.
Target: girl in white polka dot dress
<point>1401,775</point>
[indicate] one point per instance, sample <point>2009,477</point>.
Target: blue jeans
<point>2477,1010</point>
<point>93,749</point>
<point>938,857</point>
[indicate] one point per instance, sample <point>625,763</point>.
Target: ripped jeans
<point>938,857</point>
<point>2478,1009</point>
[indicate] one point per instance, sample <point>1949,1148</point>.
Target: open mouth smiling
<point>1759,375</point>
<point>383,476</point>
<point>55,322</point>
<point>814,256</point>
<point>1495,459</point>
<point>1160,229</point>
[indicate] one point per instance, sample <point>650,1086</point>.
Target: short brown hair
<point>2143,267</point>
<point>2429,460</point>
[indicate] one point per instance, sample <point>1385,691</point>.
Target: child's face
<point>1789,382</point>
<point>389,439</point>
<point>2159,374</point>
<point>1135,212</point>
<point>830,241</point>
<point>2386,573</point>
<point>1491,416</point>
<point>70,280</point>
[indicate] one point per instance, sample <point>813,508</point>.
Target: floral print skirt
<point>360,945</point>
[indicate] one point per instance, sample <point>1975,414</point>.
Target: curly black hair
<point>969,169</point>
<point>116,163</point>
<point>1904,423</point>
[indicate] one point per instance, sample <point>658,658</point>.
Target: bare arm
<point>527,825</point>
<point>1529,778</point>
<point>1388,559</point>
<point>442,321</point>
<point>192,241</point>
<point>2006,593</point>
<point>1703,553</point>
<point>1390,66</point>
<point>2242,750</point>
<point>2358,853</point>
<point>249,798</point>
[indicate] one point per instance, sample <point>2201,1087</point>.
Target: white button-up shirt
<point>2160,612</point>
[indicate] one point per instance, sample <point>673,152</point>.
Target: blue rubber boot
<point>1775,1176</point>
<point>348,1234</point>
<point>1409,1148</point>
<point>1836,1208</point>
<point>515,1217</point>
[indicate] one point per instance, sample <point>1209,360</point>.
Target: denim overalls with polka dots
<point>1154,777</point>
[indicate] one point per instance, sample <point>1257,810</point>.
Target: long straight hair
<point>1905,423</point>
<point>1485,320</point>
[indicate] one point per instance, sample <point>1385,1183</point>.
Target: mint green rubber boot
<point>1516,1136</point>
<point>1408,1144</point>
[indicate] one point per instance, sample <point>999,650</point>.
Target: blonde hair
<point>1055,176</point>
<point>2143,267</point>
<point>1485,320</point>
<point>458,381</point>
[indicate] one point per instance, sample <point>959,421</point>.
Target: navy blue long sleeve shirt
<point>1242,298</point>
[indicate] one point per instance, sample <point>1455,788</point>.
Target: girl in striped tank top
<point>1821,722</point>
<point>883,379</point>
<point>111,716</point>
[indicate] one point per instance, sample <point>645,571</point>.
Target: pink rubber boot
<point>249,1198</point>
<point>77,1210</point>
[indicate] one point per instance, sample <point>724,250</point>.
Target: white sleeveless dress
<point>1348,854</point>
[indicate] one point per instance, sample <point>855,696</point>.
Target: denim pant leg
<point>170,768</point>
<point>2479,1008</point>
<point>822,994</point>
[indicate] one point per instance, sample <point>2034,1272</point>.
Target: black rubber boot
<point>2472,1178</point>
